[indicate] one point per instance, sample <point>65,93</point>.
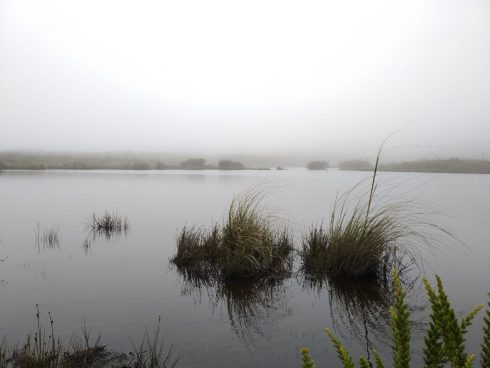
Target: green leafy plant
<point>444,342</point>
<point>485,348</point>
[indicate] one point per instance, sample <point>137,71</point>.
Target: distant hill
<point>452,165</point>
<point>355,165</point>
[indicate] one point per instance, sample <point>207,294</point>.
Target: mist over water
<point>328,79</point>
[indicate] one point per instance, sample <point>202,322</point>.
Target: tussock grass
<point>357,244</point>
<point>367,236</point>
<point>247,245</point>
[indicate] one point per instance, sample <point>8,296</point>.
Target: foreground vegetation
<point>247,245</point>
<point>444,341</point>
<point>43,349</point>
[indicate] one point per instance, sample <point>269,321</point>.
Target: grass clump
<point>247,245</point>
<point>109,222</point>
<point>444,342</point>
<point>44,349</point>
<point>366,237</point>
<point>108,225</point>
<point>356,244</point>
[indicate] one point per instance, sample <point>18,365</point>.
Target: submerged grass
<point>48,238</point>
<point>247,245</point>
<point>108,223</point>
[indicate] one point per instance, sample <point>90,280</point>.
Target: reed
<point>43,349</point>
<point>108,222</point>
<point>108,225</point>
<point>153,352</point>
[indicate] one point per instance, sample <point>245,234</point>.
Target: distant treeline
<point>317,165</point>
<point>28,161</point>
<point>357,165</point>
<point>451,165</point>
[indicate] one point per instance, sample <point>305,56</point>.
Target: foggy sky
<point>255,76</point>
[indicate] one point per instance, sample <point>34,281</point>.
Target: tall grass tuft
<point>247,245</point>
<point>367,236</point>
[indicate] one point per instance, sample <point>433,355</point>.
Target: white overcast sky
<point>245,76</point>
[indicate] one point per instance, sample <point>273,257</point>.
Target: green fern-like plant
<point>451,330</point>
<point>400,327</point>
<point>377,360</point>
<point>434,356</point>
<point>444,341</point>
<point>485,347</point>
<point>342,352</point>
<point>306,361</point>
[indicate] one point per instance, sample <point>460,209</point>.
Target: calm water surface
<point>121,285</point>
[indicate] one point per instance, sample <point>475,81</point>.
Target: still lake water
<point>121,285</point>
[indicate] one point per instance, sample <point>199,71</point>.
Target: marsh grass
<point>153,351</point>
<point>367,236</point>
<point>108,224</point>
<point>249,244</point>
<point>43,349</point>
<point>47,238</point>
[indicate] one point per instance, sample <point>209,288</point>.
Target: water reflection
<point>47,238</point>
<point>3,283</point>
<point>250,305</point>
<point>359,308</point>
